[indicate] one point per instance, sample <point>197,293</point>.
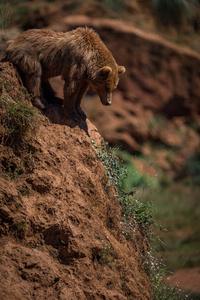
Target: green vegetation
<point>135,208</point>
<point>23,190</point>
<point>171,13</point>
<point>132,203</point>
<point>192,170</point>
<point>105,255</point>
<point>157,122</point>
<point>18,118</point>
<point>178,210</point>
<point>134,178</point>
<point>195,126</point>
<point>114,5</point>
<point>19,121</point>
<point>20,229</point>
<point>15,172</point>
<point>157,274</point>
<point>5,14</point>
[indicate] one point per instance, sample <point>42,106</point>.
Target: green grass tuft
<point>18,118</point>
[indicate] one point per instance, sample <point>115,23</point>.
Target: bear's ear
<point>105,71</point>
<point>121,70</point>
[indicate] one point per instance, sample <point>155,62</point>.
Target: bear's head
<point>105,81</point>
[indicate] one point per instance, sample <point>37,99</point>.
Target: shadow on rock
<point>55,113</point>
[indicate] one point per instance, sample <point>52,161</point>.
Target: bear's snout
<point>106,99</point>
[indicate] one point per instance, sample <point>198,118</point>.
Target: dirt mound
<point>61,235</point>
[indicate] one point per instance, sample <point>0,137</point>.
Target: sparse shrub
<point>5,14</point>
<point>23,190</point>
<point>18,228</point>
<point>15,172</point>
<point>192,169</point>
<point>105,255</point>
<point>17,118</point>
<point>112,163</point>
<point>171,12</point>
<point>157,274</point>
<point>114,5</point>
<point>140,210</point>
<point>195,126</point>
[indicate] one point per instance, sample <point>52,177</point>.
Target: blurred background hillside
<point>155,115</point>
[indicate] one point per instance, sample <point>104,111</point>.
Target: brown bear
<point>79,56</point>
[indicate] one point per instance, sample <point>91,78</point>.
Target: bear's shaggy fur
<point>79,56</point>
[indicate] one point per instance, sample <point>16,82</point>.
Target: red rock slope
<point>61,236</point>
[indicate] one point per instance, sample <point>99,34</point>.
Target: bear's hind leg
<point>33,84</point>
<point>48,92</point>
<point>31,71</point>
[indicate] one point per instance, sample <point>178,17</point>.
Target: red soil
<point>61,235</point>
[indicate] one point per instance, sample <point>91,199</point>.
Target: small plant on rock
<point>141,211</point>
<point>157,274</point>
<point>17,118</point>
<point>105,255</point>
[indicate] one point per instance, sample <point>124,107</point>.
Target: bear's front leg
<point>83,89</point>
<point>71,92</point>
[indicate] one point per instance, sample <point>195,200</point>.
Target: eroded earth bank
<point>61,229</point>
